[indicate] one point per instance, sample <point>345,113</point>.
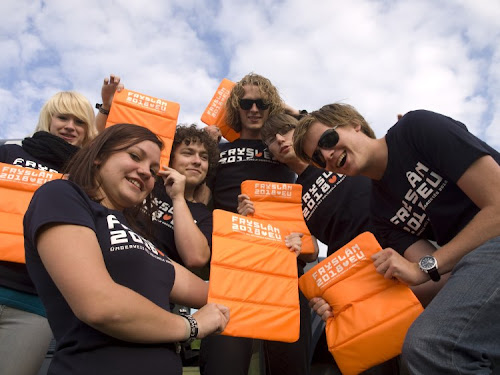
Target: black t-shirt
<point>418,197</point>
<point>163,222</point>
<point>336,207</point>
<point>131,261</point>
<point>14,275</point>
<point>244,159</point>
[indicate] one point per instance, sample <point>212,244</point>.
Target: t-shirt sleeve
<point>204,221</point>
<point>390,236</point>
<point>57,201</point>
<point>442,142</point>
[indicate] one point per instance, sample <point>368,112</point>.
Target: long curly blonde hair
<point>269,94</point>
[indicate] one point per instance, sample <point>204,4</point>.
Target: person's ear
<point>356,125</point>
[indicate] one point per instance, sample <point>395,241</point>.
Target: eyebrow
<point>144,153</point>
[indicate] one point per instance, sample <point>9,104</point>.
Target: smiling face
<point>68,127</point>
<point>253,118</point>
<point>128,176</point>
<point>346,157</point>
<point>191,161</point>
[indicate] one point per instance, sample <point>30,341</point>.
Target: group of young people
<point>109,248</point>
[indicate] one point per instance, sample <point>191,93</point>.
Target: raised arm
<point>109,87</point>
<point>191,243</point>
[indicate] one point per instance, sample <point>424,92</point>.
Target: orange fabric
<point>281,203</point>
<point>255,275</point>
<point>158,115</point>
<point>215,113</point>
<point>371,314</point>
<point>17,185</point>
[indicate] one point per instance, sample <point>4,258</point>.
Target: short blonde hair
<point>68,103</point>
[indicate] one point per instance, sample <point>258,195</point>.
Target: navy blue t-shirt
<point>131,260</point>
<point>418,196</point>
<point>244,159</point>
<point>163,222</point>
<point>336,207</point>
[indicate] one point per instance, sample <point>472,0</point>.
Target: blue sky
<point>383,57</point>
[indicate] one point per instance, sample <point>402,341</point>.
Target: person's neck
<point>378,161</point>
<point>189,194</point>
<point>297,165</point>
<point>250,134</point>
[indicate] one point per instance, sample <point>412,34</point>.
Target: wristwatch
<point>429,265</point>
<point>193,325</point>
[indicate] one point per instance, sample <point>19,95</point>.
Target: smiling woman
<point>108,297</point>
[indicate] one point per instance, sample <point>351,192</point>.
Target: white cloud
<point>384,57</point>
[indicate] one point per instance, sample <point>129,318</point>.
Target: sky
<point>382,56</point>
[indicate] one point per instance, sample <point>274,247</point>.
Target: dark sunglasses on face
<point>246,104</point>
<point>269,141</point>
<point>327,141</point>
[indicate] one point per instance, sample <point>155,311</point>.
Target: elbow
<point>197,261</point>
<point>98,317</point>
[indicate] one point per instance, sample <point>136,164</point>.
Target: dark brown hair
<point>82,169</point>
<point>188,134</point>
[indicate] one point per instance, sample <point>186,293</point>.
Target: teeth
<point>134,182</point>
<point>342,159</point>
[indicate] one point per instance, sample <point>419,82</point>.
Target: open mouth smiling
<point>135,182</point>
<point>342,159</point>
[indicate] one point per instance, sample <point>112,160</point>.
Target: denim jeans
<point>24,340</point>
<point>459,332</point>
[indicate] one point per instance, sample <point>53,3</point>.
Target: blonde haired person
<point>72,105</point>
<point>66,123</point>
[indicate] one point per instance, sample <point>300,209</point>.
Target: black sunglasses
<point>246,104</point>
<point>327,141</point>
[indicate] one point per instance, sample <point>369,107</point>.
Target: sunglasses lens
<point>246,104</point>
<point>328,139</point>
<point>317,159</point>
<point>261,105</point>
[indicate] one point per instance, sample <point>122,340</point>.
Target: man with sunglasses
<point>335,208</point>
<point>251,101</point>
<point>432,179</point>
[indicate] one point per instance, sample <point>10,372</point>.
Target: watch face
<point>428,262</point>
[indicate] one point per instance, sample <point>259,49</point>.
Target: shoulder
<point>8,151</point>
<point>59,201</point>
<point>428,124</point>
<point>61,196</point>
